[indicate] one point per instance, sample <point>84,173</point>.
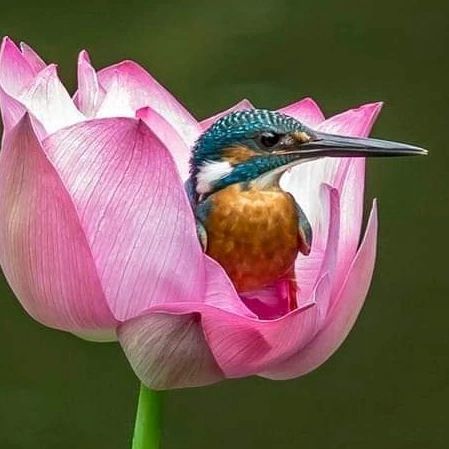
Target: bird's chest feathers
<point>253,233</point>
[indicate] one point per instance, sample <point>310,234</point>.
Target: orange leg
<point>291,290</point>
<point>292,295</point>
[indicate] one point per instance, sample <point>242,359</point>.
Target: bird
<point>245,220</point>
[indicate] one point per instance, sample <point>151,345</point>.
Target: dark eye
<point>269,140</point>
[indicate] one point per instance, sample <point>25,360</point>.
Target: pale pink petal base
<point>169,351</point>
<point>97,335</point>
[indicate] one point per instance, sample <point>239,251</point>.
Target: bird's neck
<point>269,180</point>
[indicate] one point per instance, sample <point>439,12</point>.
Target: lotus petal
<point>43,250</point>
<point>133,210</point>
<point>169,351</point>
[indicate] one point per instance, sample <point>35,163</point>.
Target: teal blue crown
<point>240,127</point>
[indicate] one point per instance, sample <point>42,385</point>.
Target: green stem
<point>147,430</point>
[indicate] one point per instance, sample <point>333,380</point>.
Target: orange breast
<point>253,234</point>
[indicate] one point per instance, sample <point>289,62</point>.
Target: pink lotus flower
<point>97,236</point>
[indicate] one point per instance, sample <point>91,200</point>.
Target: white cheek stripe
<point>210,173</point>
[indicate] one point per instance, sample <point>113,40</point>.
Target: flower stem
<point>147,429</point>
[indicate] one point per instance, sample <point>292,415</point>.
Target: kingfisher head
<point>258,145</point>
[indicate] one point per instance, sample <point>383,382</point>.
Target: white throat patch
<point>211,172</point>
<point>273,177</point>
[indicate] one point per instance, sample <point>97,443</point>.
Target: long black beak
<point>322,144</point>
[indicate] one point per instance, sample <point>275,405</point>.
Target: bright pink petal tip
<point>306,111</point>
<point>33,59</point>
<point>43,250</point>
<point>15,71</point>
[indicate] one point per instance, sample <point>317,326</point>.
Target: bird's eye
<point>269,140</point>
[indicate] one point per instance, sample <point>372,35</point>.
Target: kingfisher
<point>245,220</point>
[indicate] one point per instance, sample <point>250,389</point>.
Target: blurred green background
<point>387,387</point>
